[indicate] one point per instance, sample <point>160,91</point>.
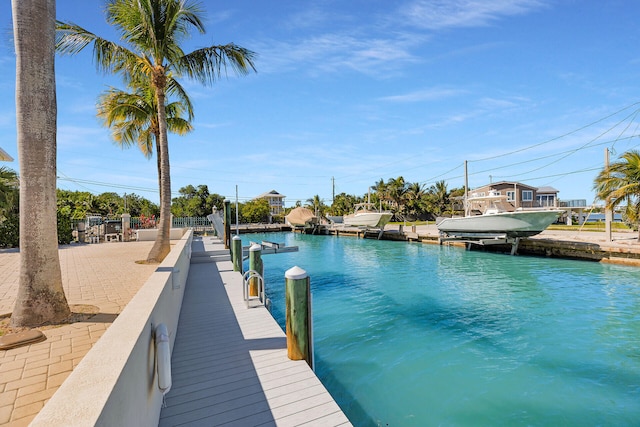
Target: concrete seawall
<point>116,382</point>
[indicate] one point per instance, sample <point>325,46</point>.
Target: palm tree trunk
<point>41,297</point>
<point>159,166</point>
<point>162,245</point>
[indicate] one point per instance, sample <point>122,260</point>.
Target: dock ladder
<point>246,281</point>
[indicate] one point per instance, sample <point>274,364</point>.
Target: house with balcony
<point>276,202</point>
<point>520,195</point>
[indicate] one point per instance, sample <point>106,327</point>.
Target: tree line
<point>409,201</point>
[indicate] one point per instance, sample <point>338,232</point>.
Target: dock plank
<point>230,364</point>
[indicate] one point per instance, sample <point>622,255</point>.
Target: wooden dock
<point>230,364</point>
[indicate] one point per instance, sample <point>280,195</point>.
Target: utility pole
<point>466,190</point>
<point>608,213</point>
<point>333,189</point>
<point>237,216</point>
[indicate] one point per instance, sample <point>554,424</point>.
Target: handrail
<point>246,278</point>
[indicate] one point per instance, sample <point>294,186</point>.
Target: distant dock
<point>623,248</point>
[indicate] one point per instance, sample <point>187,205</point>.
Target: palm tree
<point>152,31</point>
<point>133,118</point>
<point>415,196</point>
<point>381,189</point>
<point>343,204</point>
<point>440,196</point>
<point>621,183</point>
<point>317,205</point>
<point>40,297</point>
<point>396,188</point>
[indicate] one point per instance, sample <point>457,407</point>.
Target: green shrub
<point>10,231</point>
<point>65,232</point>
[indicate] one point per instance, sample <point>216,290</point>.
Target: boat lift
<point>268,248</point>
<point>482,239</point>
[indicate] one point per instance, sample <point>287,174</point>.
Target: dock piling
<point>255,264</point>
<point>236,253</point>
<point>299,328</point>
<point>227,224</point>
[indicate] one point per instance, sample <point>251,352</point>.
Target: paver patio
<point>103,275</point>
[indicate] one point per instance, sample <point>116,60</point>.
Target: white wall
<point>149,234</point>
<point>115,384</point>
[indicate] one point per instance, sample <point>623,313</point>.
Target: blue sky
<point>356,91</point>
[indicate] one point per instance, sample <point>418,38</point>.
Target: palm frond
<point>72,38</point>
<point>208,64</point>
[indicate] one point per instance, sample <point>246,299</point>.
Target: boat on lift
<point>497,219</point>
<point>366,215</point>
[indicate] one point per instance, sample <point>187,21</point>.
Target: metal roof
<point>4,156</point>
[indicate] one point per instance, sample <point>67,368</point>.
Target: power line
<point>630,118</point>
<point>634,113</point>
<point>80,183</point>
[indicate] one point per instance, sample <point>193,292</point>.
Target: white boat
<point>498,221</point>
<point>522,223</point>
<point>366,215</point>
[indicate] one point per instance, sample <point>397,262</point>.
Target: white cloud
<point>425,95</point>
<point>333,52</point>
<point>77,136</point>
<point>440,14</point>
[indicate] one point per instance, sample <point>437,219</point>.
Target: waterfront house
<point>520,195</point>
<point>276,202</point>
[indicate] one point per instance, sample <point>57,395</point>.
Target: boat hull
<point>335,219</point>
<point>368,219</point>
<point>509,224</point>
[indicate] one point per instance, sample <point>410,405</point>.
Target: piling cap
<point>236,237</point>
<point>295,273</point>
<point>255,247</point>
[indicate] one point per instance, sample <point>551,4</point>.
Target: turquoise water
<point>421,335</point>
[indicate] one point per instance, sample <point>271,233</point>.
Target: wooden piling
<point>236,253</point>
<point>227,224</point>
<point>298,315</point>
<point>255,264</point>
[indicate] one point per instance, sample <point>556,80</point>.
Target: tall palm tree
<point>133,118</point>
<point>621,183</point>
<point>317,204</point>
<point>40,297</point>
<point>152,31</point>
<point>415,196</point>
<point>397,188</point>
<point>440,196</point>
<point>381,189</point>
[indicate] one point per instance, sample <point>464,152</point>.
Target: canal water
<point>409,334</point>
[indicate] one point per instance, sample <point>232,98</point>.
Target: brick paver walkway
<point>103,275</point>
